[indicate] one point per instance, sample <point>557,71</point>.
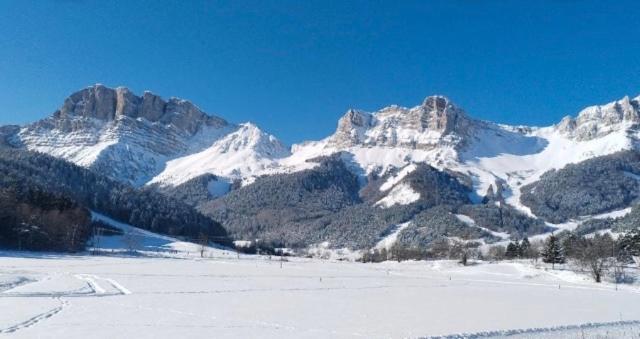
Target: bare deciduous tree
<point>204,242</point>
<point>598,255</point>
<point>131,240</point>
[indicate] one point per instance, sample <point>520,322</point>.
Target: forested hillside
<point>31,219</point>
<point>594,186</point>
<point>22,171</point>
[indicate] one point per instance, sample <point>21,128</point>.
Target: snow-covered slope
<point>134,139</point>
<point>239,154</point>
<point>496,157</point>
<point>146,139</point>
<point>145,242</point>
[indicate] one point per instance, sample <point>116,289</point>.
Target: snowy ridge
<point>237,155</point>
<point>146,140</point>
<point>141,140</point>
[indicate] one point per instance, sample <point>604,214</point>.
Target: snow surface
<point>390,239</point>
<point>178,293</point>
<point>401,194</point>
<point>492,154</point>
<point>396,178</point>
<point>470,222</point>
<point>526,163</point>
<point>226,297</point>
<point>239,154</point>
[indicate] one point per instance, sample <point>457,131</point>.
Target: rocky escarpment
<point>132,138</point>
<point>601,120</point>
<point>426,126</point>
<point>109,104</point>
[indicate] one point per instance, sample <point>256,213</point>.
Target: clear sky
<point>294,67</point>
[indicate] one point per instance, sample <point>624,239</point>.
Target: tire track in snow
<point>97,289</point>
<point>117,285</point>
<point>92,281</point>
<point>37,319</point>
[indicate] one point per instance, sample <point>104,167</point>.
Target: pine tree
<point>629,244</point>
<point>525,248</point>
<point>512,250</point>
<point>553,252</point>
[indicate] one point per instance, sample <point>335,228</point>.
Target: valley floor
<point>223,296</point>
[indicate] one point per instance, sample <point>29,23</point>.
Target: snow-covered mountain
<point>136,138</point>
<point>496,157</point>
<point>147,140</point>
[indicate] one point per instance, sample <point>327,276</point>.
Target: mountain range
<point>414,174</point>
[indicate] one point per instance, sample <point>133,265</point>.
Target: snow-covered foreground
<point>223,296</point>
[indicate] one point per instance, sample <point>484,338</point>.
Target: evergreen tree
<point>513,250</point>
<point>629,244</point>
<point>553,252</point>
<point>525,248</point>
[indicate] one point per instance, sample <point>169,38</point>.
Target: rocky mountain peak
<point>351,127</point>
<point>600,120</point>
<point>422,126</point>
<point>109,104</point>
<point>440,114</point>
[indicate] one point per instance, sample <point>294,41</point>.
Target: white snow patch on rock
<point>396,178</point>
<point>401,194</point>
<point>472,223</point>
<point>388,241</point>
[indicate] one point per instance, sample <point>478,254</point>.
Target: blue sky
<point>294,67</point>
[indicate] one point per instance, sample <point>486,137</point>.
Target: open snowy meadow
<point>179,294</point>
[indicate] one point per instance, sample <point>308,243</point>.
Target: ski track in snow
<point>36,319</point>
<point>177,298</point>
<point>529,332</point>
<point>20,281</point>
<point>90,279</point>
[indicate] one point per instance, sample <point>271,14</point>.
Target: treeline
<point>328,204</point>
<point>599,254</point>
<point>35,220</point>
<point>440,248</point>
<point>145,208</point>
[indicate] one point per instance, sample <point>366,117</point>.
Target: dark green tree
<point>553,252</point>
<point>513,250</point>
<point>525,248</point>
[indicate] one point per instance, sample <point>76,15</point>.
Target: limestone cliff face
<point>132,138</point>
<point>436,121</point>
<point>598,121</point>
<point>108,104</point>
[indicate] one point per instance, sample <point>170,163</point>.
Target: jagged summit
<point>136,138</point>
<point>104,103</point>
<point>601,120</point>
<point>423,126</point>
<point>147,139</point>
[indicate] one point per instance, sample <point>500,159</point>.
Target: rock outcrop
<point>598,121</point>
<point>110,104</point>
<point>134,138</point>
<point>436,121</point>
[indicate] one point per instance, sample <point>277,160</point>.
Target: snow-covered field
<point>168,290</point>
<point>221,296</point>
